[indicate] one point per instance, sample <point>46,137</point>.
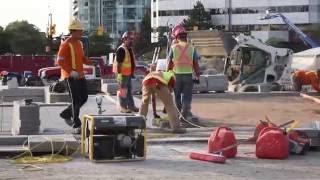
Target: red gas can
<point>272,143</point>
<point>221,138</point>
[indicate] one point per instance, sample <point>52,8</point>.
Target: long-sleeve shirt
<point>64,58</point>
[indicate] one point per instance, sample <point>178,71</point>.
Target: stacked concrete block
<point>218,83</point>
<point>25,119</point>
<point>14,94</point>
<point>51,97</point>
<point>93,86</point>
<point>110,88</point>
<point>202,86</point>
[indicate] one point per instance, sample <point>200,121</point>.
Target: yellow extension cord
<point>29,159</point>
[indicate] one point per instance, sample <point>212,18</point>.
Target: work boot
<point>124,110</point>
<point>134,109</point>
<point>67,120</point>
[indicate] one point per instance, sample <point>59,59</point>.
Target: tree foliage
<point>4,42</point>
<point>24,38</point>
<point>198,17</point>
<point>99,45</point>
<point>143,40</point>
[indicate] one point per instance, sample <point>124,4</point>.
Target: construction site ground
<point>167,156</point>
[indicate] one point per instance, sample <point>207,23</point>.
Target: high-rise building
<point>115,16</point>
<point>238,15</point>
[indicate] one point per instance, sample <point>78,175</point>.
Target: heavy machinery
<point>254,66</point>
<point>307,40</point>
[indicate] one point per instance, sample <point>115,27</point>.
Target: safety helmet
<point>126,34</point>
<point>75,25</point>
<point>178,30</point>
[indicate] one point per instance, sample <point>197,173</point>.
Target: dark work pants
<point>183,93</point>
<point>127,102</point>
<point>79,95</point>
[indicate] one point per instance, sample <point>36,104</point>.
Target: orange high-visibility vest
<point>126,68</point>
<point>182,58</point>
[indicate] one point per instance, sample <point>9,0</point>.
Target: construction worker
<point>123,67</point>
<point>71,59</point>
<point>161,83</point>
<point>300,78</point>
<point>183,60</point>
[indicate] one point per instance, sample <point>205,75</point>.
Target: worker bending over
<point>300,78</point>
<point>161,83</point>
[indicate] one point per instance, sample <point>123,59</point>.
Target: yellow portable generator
<point>112,138</point>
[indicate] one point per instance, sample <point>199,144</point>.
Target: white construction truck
<point>254,66</point>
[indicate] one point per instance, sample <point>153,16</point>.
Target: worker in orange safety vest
<point>183,60</point>
<point>300,78</point>
<point>123,67</point>
<point>71,58</point>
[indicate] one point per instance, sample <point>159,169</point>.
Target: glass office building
<point>115,16</point>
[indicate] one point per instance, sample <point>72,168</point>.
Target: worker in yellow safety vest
<point>123,67</point>
<point>161,83</point>
<point>71,58</point>
<point>183,60</point>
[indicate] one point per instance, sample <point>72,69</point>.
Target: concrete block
<point>217,82</point>
<point>35,93</point>
<point>13,140</point>
<point>25,118</point>
<point>45,143</point>
<point>93,86</point>
<point>202,87</point>
<point>104,81</point>
<point>110,88</point>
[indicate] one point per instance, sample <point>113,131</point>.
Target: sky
<point>36,12</point>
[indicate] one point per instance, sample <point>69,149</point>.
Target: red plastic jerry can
<point>221,138</point>
<point>272,143</point>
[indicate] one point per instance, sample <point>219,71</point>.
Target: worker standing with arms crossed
<point>161,84</point>
<point>123,67</point>
<point>300,78</point>
<point>71,58</point>
<point>183,60</point>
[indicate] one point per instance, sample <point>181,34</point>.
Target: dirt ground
<point>248,111</point>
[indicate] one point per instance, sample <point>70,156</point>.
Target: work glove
<point>74,74</point>
<point>119,78</point>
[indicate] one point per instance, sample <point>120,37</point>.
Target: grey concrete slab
<point>49,143</point>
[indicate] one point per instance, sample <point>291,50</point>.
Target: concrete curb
<point>247,94</point>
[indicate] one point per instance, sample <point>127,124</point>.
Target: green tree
<point>99,44</point>
<point>25,38</point>
<point>4,42</point>
<point>143,41</point>
<point>198,17</point>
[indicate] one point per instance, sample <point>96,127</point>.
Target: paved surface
<point>170,161</point>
